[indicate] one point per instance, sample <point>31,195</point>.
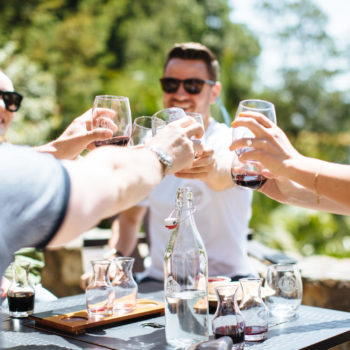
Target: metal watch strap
<point>163,157</point>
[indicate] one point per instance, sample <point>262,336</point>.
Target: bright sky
<point>338,27</point>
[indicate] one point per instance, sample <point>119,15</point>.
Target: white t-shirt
<point>222,217</point>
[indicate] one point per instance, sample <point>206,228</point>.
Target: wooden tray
<point>78,322</point>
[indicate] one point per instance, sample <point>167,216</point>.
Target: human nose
<point>181,92</point>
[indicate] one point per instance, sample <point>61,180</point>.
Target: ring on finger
<point>249,142</point>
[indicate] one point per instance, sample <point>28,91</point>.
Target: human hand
<point>85,280</point>
<point>271,148</point>
<point>201,167</point>
<point>5,284</point>
<point>175,139</point>
<point>81,134</point>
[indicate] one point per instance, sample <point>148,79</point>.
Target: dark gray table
<point>315,328</point>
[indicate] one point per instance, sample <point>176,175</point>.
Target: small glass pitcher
<point>254,310</point>
<point>99,292</point>
<point>228,320</point>
<point>124,285</point>
<point>21,294</point>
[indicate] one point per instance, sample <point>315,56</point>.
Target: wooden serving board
<point>78,322</point>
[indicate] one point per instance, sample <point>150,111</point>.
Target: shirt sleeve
<point>35,190</point>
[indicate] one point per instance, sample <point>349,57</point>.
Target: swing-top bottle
<point>185,278</point>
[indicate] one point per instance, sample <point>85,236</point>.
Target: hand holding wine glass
<point>248,174</point>
<point>117,118</point>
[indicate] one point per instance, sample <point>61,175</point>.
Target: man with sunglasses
<point>190,81</point>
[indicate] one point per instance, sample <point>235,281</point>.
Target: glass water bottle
<point>185,278</point>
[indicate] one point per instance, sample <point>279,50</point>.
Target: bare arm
<point>112,179</point>
<point>293,178</point>
<point>129,225</point>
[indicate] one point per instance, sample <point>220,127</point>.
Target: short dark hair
<point>195,51</point>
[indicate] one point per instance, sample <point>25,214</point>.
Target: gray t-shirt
<point>34,193</point>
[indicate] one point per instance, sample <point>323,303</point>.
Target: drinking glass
<point>99,293</point>
<point>197,116</point>
<point>228,319</point>
<point>170,114</point>
<point>124,285</point>
<point>113,112</point>
<point>283,282</point>
<point>20,295</point>
<point>253,310</point>
<point>141,130</point>
<point>248,174</point>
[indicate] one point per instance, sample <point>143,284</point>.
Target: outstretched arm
<point>293,178</point>
<point>129,223</point>
<point>111,179</point>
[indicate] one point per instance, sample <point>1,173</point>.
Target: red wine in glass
<point>21,302</point>
<point>253,182</point>
<point>236,333</point>
<point>255,333</point>
<point>114,141</point>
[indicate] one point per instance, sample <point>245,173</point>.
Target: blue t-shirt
<point>34,194</point>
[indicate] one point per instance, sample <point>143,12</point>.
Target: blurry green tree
<point>305,103</point>
<point>118,47</point>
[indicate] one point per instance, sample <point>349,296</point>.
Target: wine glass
<point>141,130</point>
<point>144,128</point>
<point>113,112</point>
<point>248,174</point>
<point>286,287</point>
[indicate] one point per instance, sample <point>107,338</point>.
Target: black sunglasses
<point>12,100</point>
<point>192,86</point>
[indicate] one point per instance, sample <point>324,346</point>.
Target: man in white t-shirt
<point>223,210</point>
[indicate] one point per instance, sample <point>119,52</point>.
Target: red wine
<point>21,302</point>
<point>255,330</point>
<point>251,181</point>
<point>236,333</point>
<point>114,141</point>
<point>255,333</point>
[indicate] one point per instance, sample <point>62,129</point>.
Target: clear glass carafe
<point>21,294</point>
<point>124,285</point>
<point>99,292</point>
<point>185,278</point>
<point>253,309</point>
<point>228,320</point>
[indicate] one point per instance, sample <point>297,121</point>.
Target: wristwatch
<point>163,157</point>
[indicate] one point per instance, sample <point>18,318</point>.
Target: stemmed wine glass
<point>248,174</point>
<point>143,129</point>
<point>113,112</point>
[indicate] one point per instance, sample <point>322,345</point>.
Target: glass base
<point>255,337</point>
<point>20,314</point>
<point>255,333</point>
